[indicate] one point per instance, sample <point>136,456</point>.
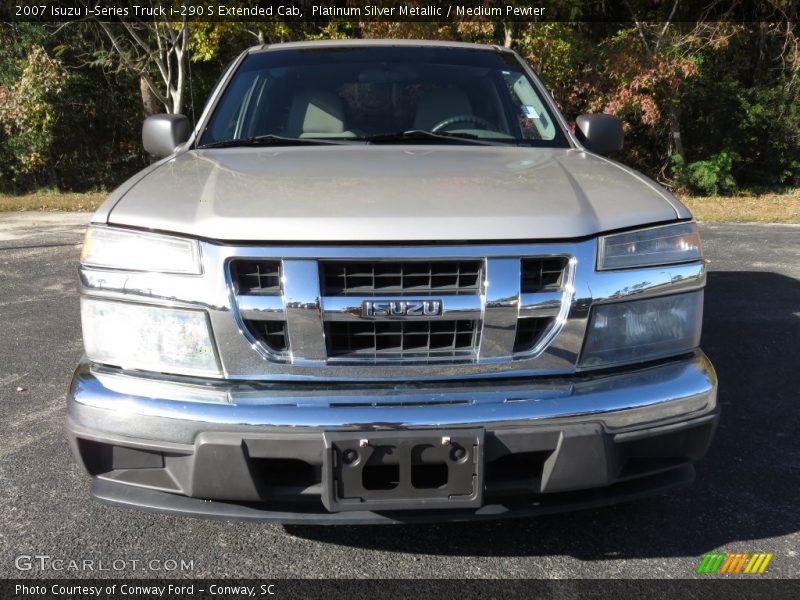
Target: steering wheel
<point>467,119</point>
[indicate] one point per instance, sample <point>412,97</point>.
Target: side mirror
<point>600,133</point>
<point>162,134</point>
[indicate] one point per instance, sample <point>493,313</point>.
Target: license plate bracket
<point>398,470</point>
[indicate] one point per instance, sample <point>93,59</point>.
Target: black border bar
<point>378,589</point>
<point>364,11</point>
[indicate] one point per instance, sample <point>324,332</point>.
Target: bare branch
<point>639,28</point>
<point>667,24</point>
<point>139,70</point>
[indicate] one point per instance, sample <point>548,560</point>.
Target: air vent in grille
<point>271,333</point>
<point>261,277</point>
<point>401,278</point>
<point>529,331</point>
<point>542,273</point>
<point>401,340</point>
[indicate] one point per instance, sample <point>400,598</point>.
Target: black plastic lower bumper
<point>283,477</point>
<point>127,496</point>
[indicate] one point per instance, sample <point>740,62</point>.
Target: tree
<point>157,52</point>
<point>28,116</point>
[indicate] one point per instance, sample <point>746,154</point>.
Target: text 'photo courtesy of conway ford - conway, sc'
<point>384,282</point>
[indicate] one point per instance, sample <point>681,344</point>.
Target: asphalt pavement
<point>746,497</point>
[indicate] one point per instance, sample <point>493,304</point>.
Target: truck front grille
<point>402,340</point>
<point>417,278</point>
<point>317,311</point>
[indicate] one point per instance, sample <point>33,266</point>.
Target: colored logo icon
<point>742,562</point>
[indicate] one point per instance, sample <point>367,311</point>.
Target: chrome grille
<point>401,278</point>
<point>256,277</point>
<point>529,332</point>
<point>271,333</point>
<point>402,340</point>
<point>312,311</point>
<point>542,273</point>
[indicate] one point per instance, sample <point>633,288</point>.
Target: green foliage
<point>710,177</point>
<point>15,40</point>
<point>98,131</point>
<point>558,53</point>
<point>28,116</point>
<point>210,40</point>
<point>769,136</point>
<point>70,116</point>
<point>62,128</point>
<point>744,101</point>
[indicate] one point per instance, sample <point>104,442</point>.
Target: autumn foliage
<point>706,106</point>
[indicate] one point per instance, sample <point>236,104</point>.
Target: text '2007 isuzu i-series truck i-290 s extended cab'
<point>385,282</point>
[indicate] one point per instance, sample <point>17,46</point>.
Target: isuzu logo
<point>401,308</point>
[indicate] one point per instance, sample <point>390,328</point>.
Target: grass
<point>764,208</point>
<point>53,201</point>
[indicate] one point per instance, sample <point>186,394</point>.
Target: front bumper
<point>256,449</point>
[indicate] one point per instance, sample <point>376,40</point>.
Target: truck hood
<point>355,193</point>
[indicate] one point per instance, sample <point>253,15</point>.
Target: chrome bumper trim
<point>622,401</point>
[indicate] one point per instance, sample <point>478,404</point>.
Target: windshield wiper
<point>268,140</point>
<point>422,135</point>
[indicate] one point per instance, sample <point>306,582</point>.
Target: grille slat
<point>401,340</point>
<point>261,277</point>
<point>271,333</point>
<point>529,331</point>
<point>417,278</point>
<point>540,274</point>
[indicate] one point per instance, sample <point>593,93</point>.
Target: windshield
<point>382,95</point>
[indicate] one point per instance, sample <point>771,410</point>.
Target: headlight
<point>149,338</point>
<point>138,251</point>
<point>649,247</point>
<point>642,330</point>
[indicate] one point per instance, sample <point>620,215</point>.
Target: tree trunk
<point>150,103</point>
<point>52,177</point>
<point>179,50</point>
<point>180,83</point>
<point>508,34</point>
<point>675,135</point>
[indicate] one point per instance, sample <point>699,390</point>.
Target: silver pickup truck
<point>384,281</point>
